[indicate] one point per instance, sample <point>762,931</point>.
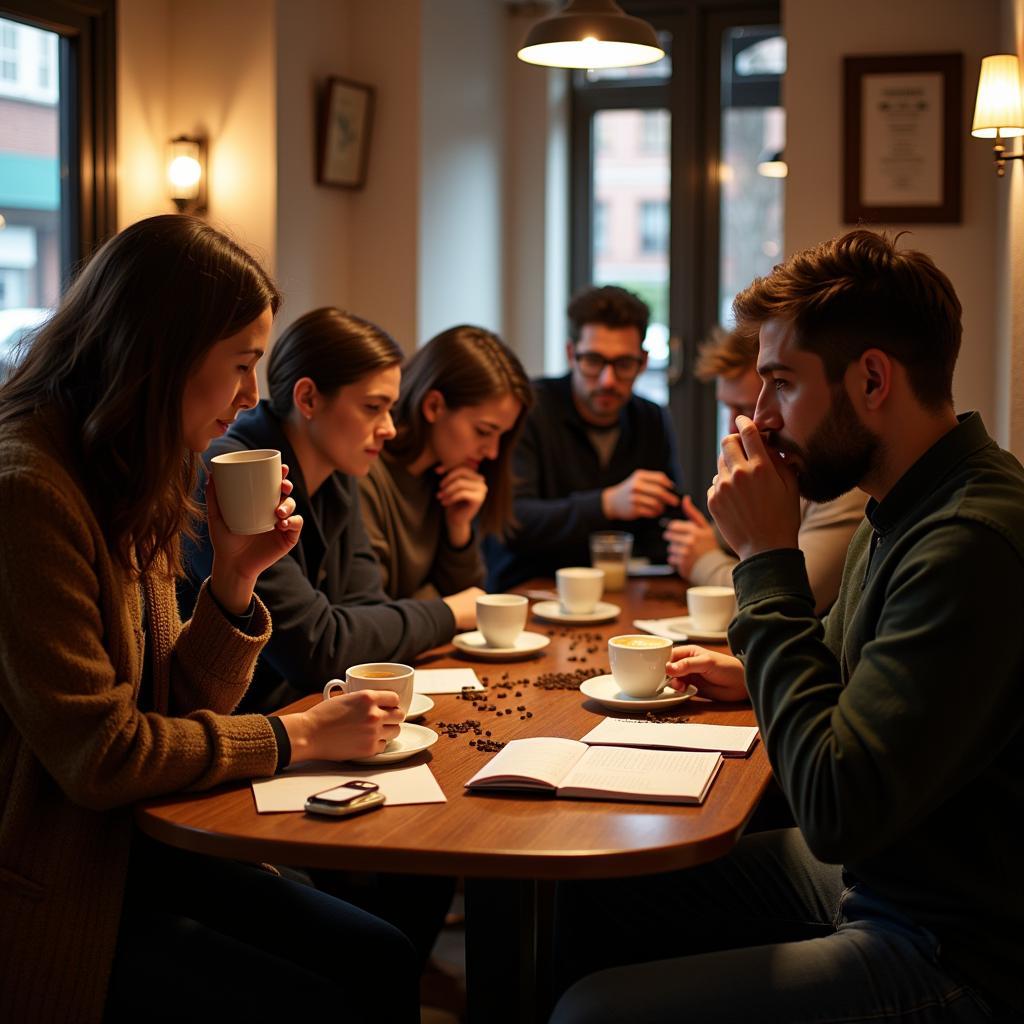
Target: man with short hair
<point>593,455</point>
<point>695,549</point>
<point>895,728</point>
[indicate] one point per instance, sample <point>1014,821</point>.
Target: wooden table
<point>526,840</point>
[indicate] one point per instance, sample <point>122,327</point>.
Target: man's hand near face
<point>645,493</point>
<point>754,497</point>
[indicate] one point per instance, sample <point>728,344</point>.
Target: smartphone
<point>343,801</point>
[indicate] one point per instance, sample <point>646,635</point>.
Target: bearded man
<point>895,728</point>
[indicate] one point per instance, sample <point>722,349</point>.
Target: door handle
<point>676,361</point>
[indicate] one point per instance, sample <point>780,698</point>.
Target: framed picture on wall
<point>902,136</point>
<point>343,138</point>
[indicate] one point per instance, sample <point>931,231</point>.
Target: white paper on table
<point>446,680</point>
<point>730,740</point>
<point>288,791</point>
<point>661,627</point>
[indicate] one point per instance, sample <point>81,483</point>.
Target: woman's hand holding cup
<point>342,727</point>
<point>238,559</point>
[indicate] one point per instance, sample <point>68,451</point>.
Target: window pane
<point>630,222</point>
<point>753,135</point>
<point>30,271</point>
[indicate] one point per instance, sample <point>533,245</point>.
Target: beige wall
<point>313,223</point>
<point>819,33</point>
<point>462,166</point>
<point>196,67</point>
<point>1009,377</point>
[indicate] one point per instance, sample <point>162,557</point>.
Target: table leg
<point>508,950</point>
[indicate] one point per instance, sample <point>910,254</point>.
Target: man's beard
<point>838,456</point>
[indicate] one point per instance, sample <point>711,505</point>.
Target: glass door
<point>667,197</point>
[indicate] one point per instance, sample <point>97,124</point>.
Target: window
<point>8,52</point>
<point>600,227</point>
<point>691,220</point>
<point>654,227</point>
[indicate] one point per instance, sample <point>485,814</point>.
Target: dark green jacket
<point>896,728</point>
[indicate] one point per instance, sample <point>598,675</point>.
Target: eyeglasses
<point>592,364</point>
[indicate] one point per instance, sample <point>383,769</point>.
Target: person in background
<point>594,455</point>
<point>107,699</point>
<point>695,549</point>
<point>447,473</point>
<point>333,378</point>
<point>895,728</point>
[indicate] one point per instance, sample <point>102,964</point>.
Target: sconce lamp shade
<point>772,165</point>
<point>591,34</point>
<point>186,173</point>
<point>999,111</point>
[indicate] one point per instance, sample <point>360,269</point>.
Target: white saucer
<point>684,629</point>
<point>411,739</point>
<point>605,690</point>
<point>419,706</point>
<point>526,644</point>
<point>551,611</point>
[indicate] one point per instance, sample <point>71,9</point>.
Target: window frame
<point>87,62</point>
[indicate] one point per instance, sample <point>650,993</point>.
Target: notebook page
<point>728,739</point>
<point>677,773</point>
<point>543,759</point>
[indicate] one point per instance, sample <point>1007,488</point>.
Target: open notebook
<point>574,769</point>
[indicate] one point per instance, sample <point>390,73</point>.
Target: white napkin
<point>446,680</point>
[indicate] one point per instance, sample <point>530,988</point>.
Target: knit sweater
<point>405,524</point>
<point>75,750</point>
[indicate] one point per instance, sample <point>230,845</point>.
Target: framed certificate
<point>901,133</point>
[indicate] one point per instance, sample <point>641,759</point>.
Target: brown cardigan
<point>75,750</point>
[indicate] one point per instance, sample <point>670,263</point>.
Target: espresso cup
<point>248,489</point>
<point>579,589</point>
<point>711,607</point>
<point>377,675</point>
<point>638,663</point>
<point>501,618</point>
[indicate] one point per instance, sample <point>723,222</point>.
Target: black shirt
<point>560,480</point>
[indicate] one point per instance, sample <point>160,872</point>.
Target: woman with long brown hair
<point>447,474</point>
<point>106,698</point>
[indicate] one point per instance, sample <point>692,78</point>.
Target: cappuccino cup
<point>579,589</point>
<point>638,663</point>
<point>711,607</point>
<point>376,675</point>
<point>248,489</point>
<point>501,618</point>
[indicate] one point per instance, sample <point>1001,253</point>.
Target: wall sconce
<point>999,111</point>
<point>591,34</point>
<point>771,165</point>
<point>186,173</point>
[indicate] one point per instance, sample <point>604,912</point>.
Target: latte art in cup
<point>639,662</point>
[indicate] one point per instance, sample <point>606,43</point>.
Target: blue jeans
<point>209,939</point>
<point>768,933</point>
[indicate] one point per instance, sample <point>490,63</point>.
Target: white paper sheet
<point>288,791</point>
<point>446,680</point>
<point>728,739</point>
<point>660,627</point>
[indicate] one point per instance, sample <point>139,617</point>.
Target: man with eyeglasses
<point>593,455</point>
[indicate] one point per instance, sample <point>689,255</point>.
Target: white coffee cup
<point>377,675</point>
<point>579,588</point>
<point>248,489</point>
<point>638,663</point>
<point>711,607</point>
<point>501,618</point>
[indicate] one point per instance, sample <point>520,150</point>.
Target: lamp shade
<point>591,34</point>
<point>772,165</point>
<point>999,110</point>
